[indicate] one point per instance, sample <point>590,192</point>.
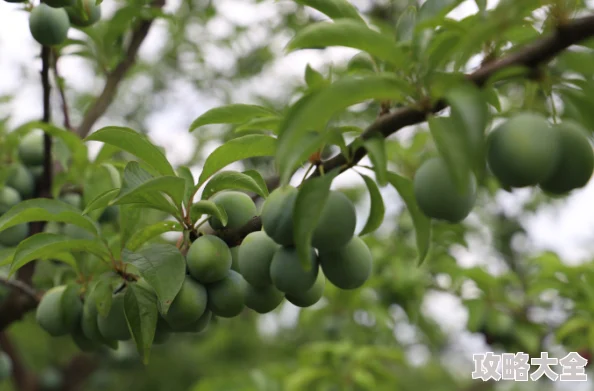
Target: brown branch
<point>60,85</point>
<point>22,287</point>
<point>23,381</point>
<point>115,77</point>
<point>539,52</point>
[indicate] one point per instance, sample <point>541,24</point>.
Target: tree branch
<point>23,381</point>
<point>22,287</point>
<point>60,85</point>
<point>115,77</point>
<point>539,52</point>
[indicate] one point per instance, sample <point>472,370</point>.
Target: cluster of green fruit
<point>20,184</point>
<point>221,281</point>
<point>525,150</point>
<point>50,21</point>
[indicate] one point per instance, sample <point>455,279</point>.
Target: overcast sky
<point>568,229</point>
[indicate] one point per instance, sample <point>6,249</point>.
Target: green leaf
<point>422,223</point>
<point>405,26</point>
<point>313,111</point>
<point>313,78</point>
<point>185,173</point>
<point>140,308</point>
<point>208,208</point>
<point>102,294</point>
<point>572,327</point>
<point>130,216</point>
<point>256,176</point>
<point>377,210</point>
<point>43,245</point>
<point>100,179</point>
<point>145,234</point>
<point>376,150</point>
<point>231,114</point>
<point>163,266</point>
<point>435,9</point>
<point>260,124</point>
<point>335,9</point>
<point>6,256</point>
<point>451,144</point>
<point>136,144</point>
<point>75,145</point>
<point>310,201</point>
<point>470,111</point>
<point>254,145</point>
<point>232,180</point>
<point>140,187</point>
<point>101,201</point>
<point>45,209</point>
<point>351,34</point>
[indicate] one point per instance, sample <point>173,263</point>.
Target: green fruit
<point>12,236</point>
<point>287,273</point>
<point>89,325</point>
<point>310,296</point>
<point>498,323</point>
<point>75,232</point>
<point>73,199</point>
<point>30,150</point>
<point>87,15</point>
<point>5,366</point>
<point>277,215</point>
<point>37,171</point>
<point>240,209</point>
<point>523,151</point>
<point>49,26</point>
<point>576,162</point>
<point>21,180</point>
<point>337,222</point>
<point>438,196</point>
<point>110,214</point>
<point>226,298</point>
<point>9,197</point>
<point>235,258</point>
<point>263,300</point>
<point>49,313</point>
<point>60,3</point>
<point>255,255</point>
<point>50,379</point>
<point>209,259</point>
<point>347,267</point>
<point>114,326</point>
<point>188,305</point>
<point>83,343</point>
<point>200,325</point>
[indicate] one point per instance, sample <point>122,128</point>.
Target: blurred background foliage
<point>381,337</point>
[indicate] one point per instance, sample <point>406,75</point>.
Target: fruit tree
<point>299,243</point>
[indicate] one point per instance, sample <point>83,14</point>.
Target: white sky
<point>568,230</point>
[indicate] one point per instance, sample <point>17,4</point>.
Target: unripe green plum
<point>523,151</point>
<point>89,321</point>
<point>347,267</point>
<point>60,3</point>
<point>235,258</point>
<point>337,222</point>
<point>12,236</point>
<point>239,206</point>
<point>277,215</point>
<point>49,313</point>
<point>255,255</point>
<point>37,171</point>
<point>310,296</point>
<point>49,26</point>
<point>30,150</point>
<point>287,273</point>
<point>83,343</point>
<point>86,16</point>
<point>576,163</point>
<point>114,326</point>
<point>226,298</point>
<point>22,180</point>
<point>437,194</point>
<point>73,199</point>
<point>209,259</point>
<point>50,379</point>
<point>263,300</point>
<point>5,366</point>
<point>188,305</point>
<point>200,325</point>
<point>9,197</point>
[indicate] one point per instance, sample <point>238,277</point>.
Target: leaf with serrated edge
<point>136,144</point>
<point>422,223</point>
<point>310,201</point>
<point>163,266</point>
<point>377,209</point>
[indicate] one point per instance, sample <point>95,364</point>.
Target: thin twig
<point>60,85</point>
<point>101,104</point>
<point>21,286</point>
